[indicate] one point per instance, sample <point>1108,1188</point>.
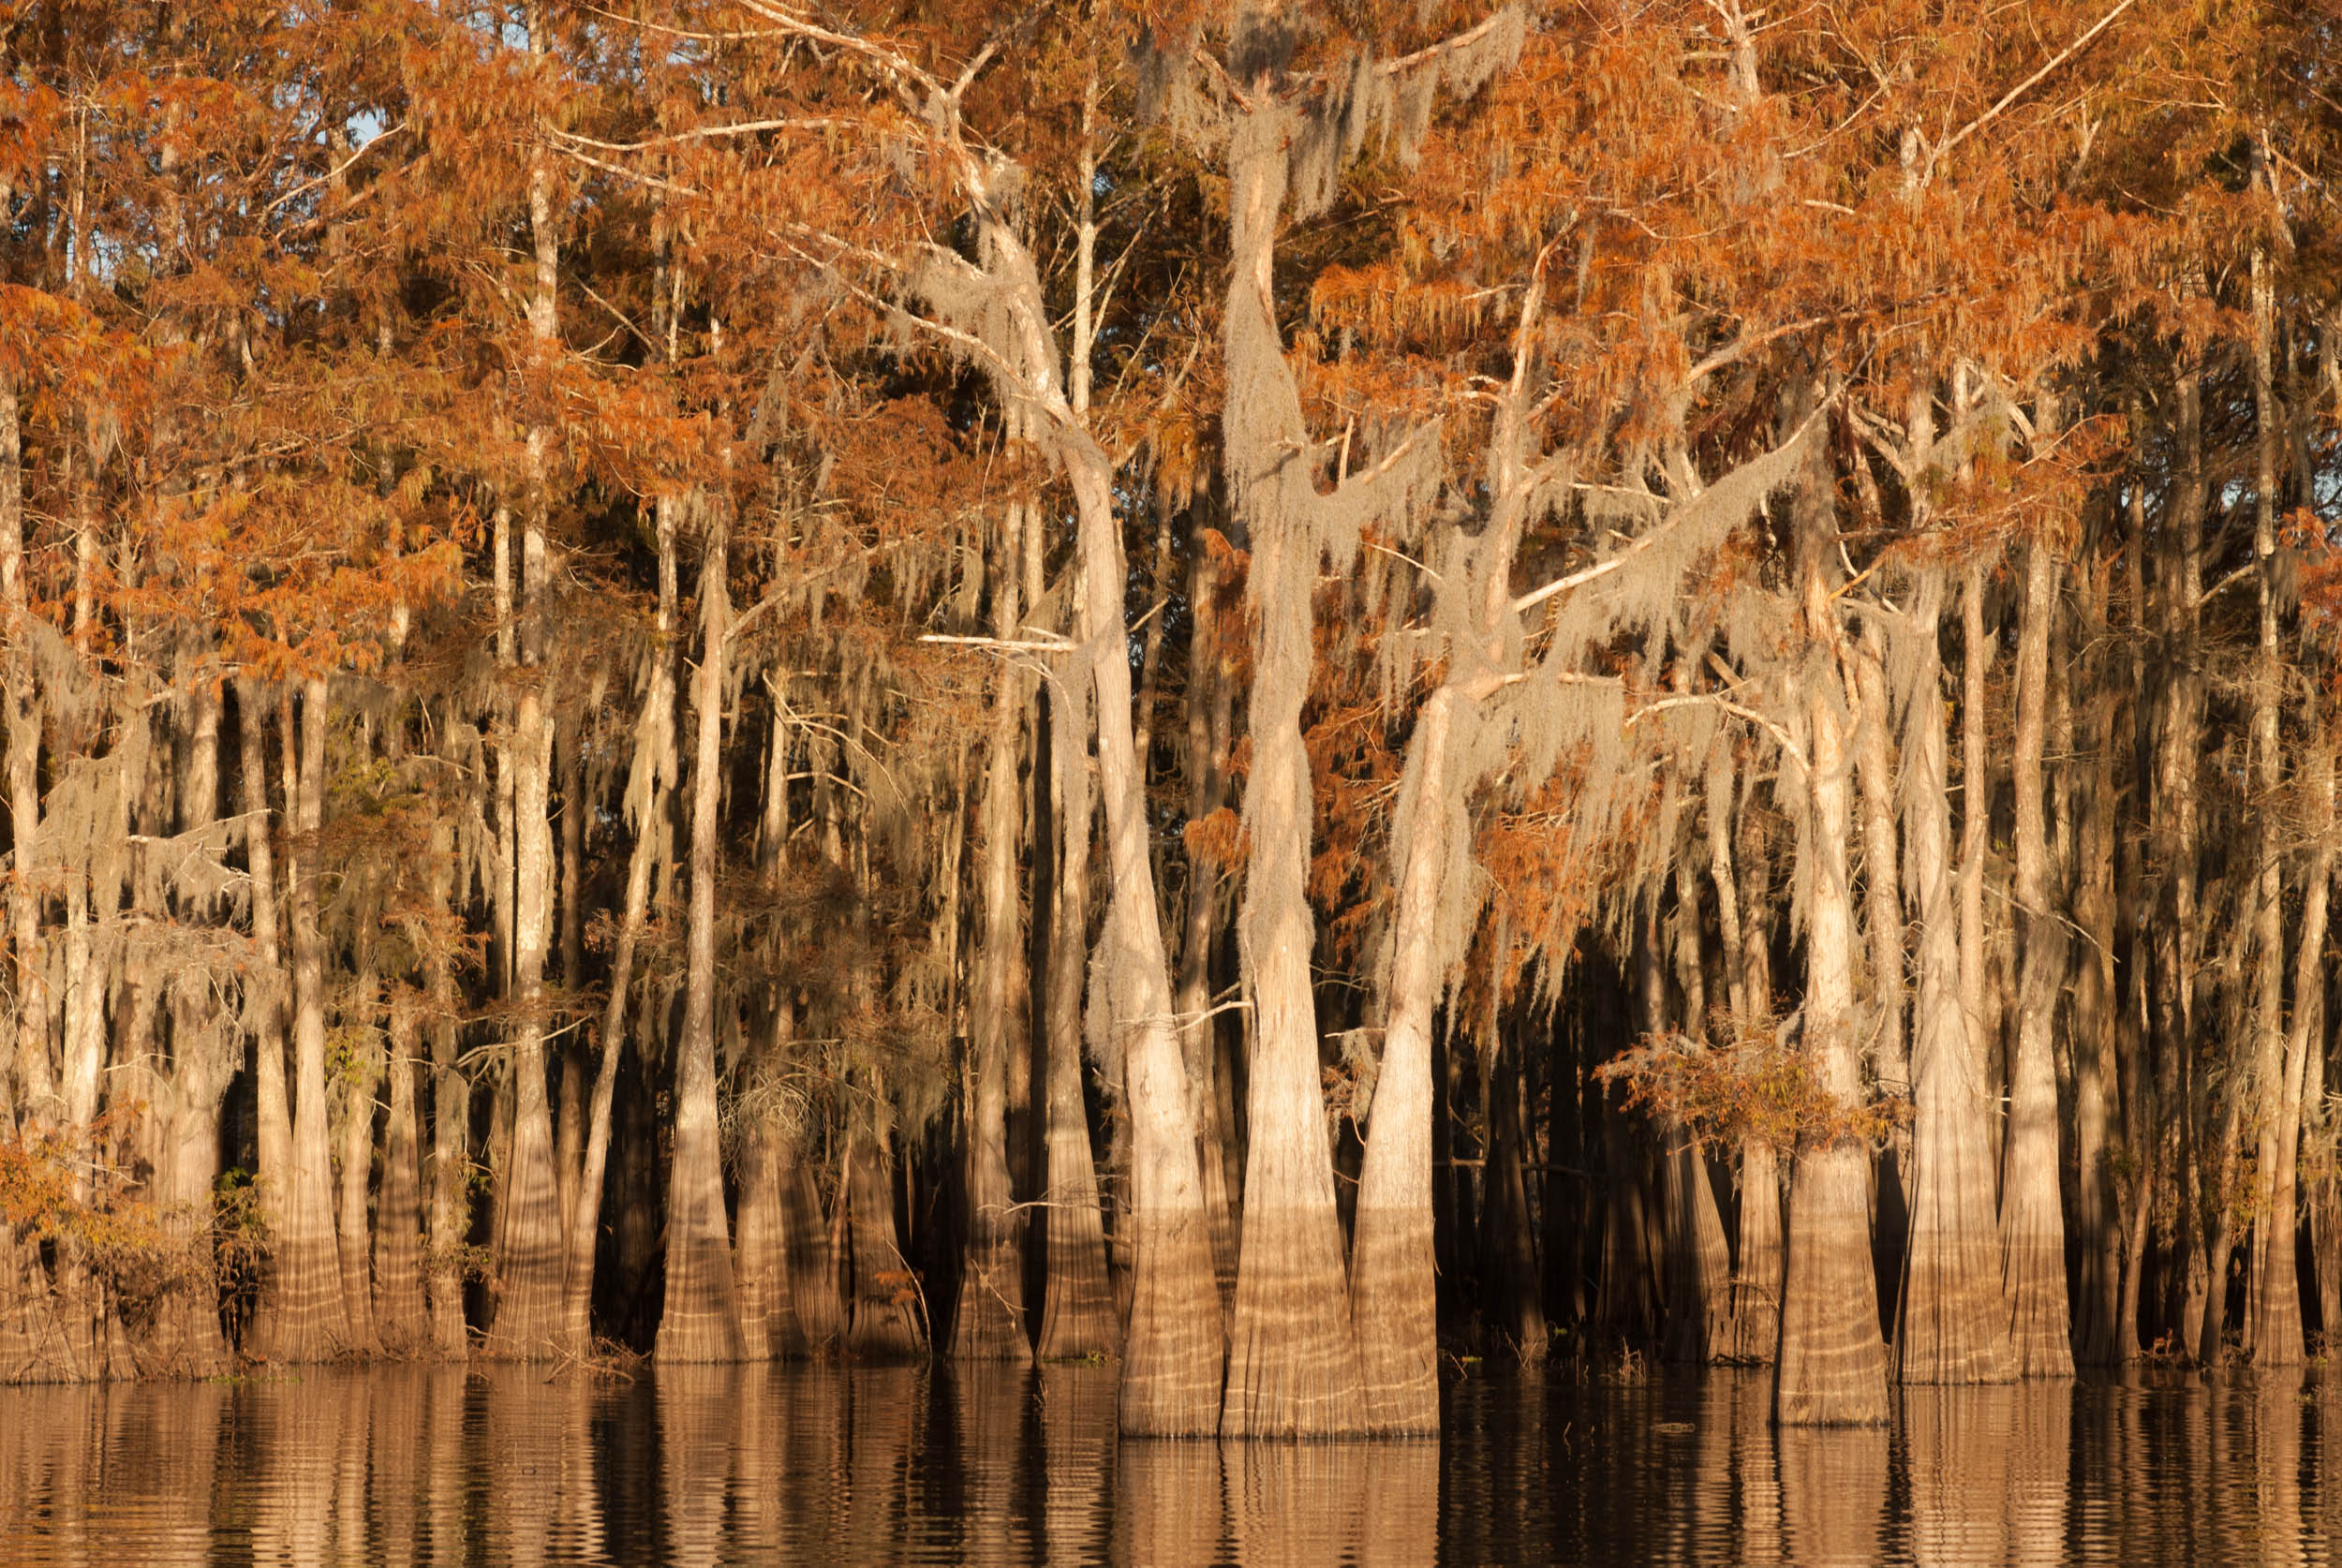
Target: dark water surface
<point>891,1465</point>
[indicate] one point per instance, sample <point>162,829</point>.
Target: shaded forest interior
<point>1280,693</point>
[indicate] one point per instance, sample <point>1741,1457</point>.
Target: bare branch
<point>1935,154</point>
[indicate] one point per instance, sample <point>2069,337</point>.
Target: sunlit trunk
<point>1077,1316</point>
<point>1832,1363</point>
<point>1292,1365</point>
<point>1954,1319</point>
<point>2032,1223</point>
<point>311,1324</point>
<point>701,1320</point>
<point>989,1324</point>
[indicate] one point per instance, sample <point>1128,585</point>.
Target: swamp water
<point>912,1465</point>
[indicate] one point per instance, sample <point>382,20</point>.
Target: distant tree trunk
<point>2277,1294</point>
<point>2032,1223</point>
<point>272,1108</point>
<point>1976,823</point>
<point>889,1318</point>
<point>401,1314</point>
<point>1753,1300</point>
<point>1833,1365</point>
<point>1514,1306</point>
<point>1954,1317</point>
<point>2097,1005</point>
<point>1742,899</point>
<point>1700,1261</point>
<point>1883,929</point>
<point>2274,1327</point>
<point>1078,1314</point>
<point>1211,703</point>
<point>645,804</point>
<point>2135,1030</point>
<point>311,1324</point>
<point>989,1325</point>
<point>813,1286</point>
<point>700,1321</point>
<point>355,1077</point>
<point>451,1130</point>
<point>2178,941</point>
<point>768,1317</point>
<point>185,1336</point>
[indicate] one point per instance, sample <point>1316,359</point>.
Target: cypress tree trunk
<point>818,1308</point>
<point>33,1346</point>
<point>451,1131</point>
<point>989,1324</point>
<point>1171,1349</point>
<point>645,805</point>
<point>2274,1332</point>
<point>2277,1292</point>
<point>2096,1003</point>
<point>529,1243</point>
<point>1753,1302</point>
<point>311,1324</point>
<point>1954,1320</point>
<point>889,1319</point>
<point>1077,1313</point>
<point>768,1317</point>
<point>1211,704</point>
<point>1882,928</point>
<point>1292,1365</point>
<point>2031,1224</point>
<point>185,1335</point>
<point>354,1080</point>
<point>1394,1300</point>
<point>1833,1365</point>
<point>401,1314</point>
<point>701,1320</point>
<point>2178,941</point>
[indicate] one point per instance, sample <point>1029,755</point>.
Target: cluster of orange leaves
<point>1755,1088</point>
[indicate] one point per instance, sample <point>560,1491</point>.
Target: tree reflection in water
<point>857,1464</point>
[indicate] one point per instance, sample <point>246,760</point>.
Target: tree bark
<point>2276,1293</point>
<point>401,1314</point>
<point>311,1324</point>
<point>530,1247</point>
<point>989,1325</point>
<point>2032,1223</point>
<point>1077,1312</point>
<point>2097,1004</point>
<point>2274,1332</point>
<point>1292,1367</point>
<point>700,1321</point>
<point>645,804</point>
<point>1833,1365</point>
